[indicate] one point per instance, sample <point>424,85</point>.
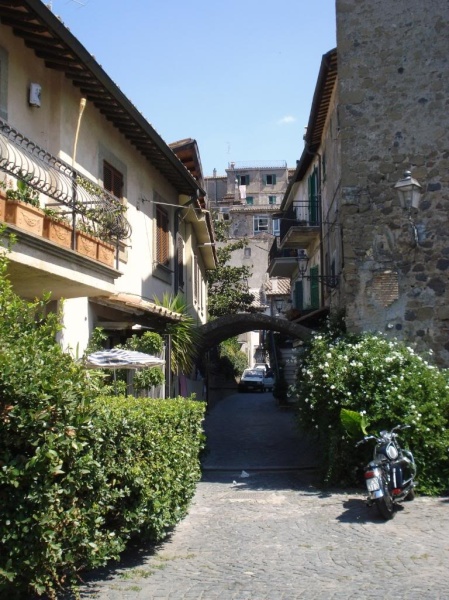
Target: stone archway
<point>220,329</point>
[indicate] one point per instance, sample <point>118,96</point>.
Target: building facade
<point>88,157</point>
<point>249,199</point>
<point>379,111</point>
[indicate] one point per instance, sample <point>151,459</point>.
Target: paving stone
<point>275,535</point>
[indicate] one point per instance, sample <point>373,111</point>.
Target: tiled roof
<point>277,286</point>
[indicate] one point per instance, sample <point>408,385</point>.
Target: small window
<point>276,226</point>
<point>270,179</point>
<point>260,224</point>
<point>243,179</point>
<point>247,252</point>
<point>112,180</point>
<point>250,200</point>
<point>272,199</point>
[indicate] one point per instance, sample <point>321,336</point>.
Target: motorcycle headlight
<point>392,452</point>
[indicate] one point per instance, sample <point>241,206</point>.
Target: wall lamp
<point>409,191</point>
<point>330,281</point>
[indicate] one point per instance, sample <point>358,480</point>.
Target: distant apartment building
<point>249,196</point>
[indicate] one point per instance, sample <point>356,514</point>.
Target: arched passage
<point>220,329</point>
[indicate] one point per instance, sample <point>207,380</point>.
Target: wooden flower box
<point>24,215</point>
<point>58,232</point>
<point>87,245</point>
<point>105,253</point>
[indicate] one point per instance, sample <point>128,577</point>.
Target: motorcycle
<point>390,476</point>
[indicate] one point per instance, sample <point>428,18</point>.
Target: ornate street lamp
<point>409,191</point>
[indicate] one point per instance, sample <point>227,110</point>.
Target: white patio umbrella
<point>116,358</point>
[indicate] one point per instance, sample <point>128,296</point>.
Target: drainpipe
<point>75,144</point>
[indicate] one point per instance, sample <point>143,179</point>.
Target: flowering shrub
<point>388,383</point>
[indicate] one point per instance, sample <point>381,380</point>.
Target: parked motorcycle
<point>390,476</point>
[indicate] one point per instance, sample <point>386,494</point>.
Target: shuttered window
<point>180,262</point>
<point>112,180</point>
<point>162,237</point>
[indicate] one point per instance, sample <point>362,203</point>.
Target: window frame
<point>257,219</point>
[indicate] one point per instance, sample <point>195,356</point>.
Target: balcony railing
<point>81,201</point>
<point>301,214</point>
<point>276,252</point>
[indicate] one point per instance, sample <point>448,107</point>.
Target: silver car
<point>252,380</point>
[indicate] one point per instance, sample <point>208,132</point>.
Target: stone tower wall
<point>393,87</point>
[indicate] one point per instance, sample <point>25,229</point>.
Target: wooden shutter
<point>162,237</point>
<point>112,180</point>
<point>314,288</point>
<point>299,295</point>
<point>180,262</point>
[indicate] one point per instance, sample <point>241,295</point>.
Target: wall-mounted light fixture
<point>409,191</point>
<point>279,303</point>
<point>330,281</point>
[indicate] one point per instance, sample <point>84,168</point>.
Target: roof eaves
<point>113,104</point>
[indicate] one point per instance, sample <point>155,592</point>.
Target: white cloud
<point>287,120</point>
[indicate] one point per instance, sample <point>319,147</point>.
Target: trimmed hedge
<point>122,468</point>
<point>79,476</point>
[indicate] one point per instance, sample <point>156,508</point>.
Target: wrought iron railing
<point>276,252</point>
<point>301,214</point>
<point>74,196</point>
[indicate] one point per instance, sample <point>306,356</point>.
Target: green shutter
<point>299,295</point>
<point>314,288</point>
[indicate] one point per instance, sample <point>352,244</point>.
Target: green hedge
<point>79,476</point>
<point>123,467</point>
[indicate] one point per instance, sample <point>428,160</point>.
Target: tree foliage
<point>228,285</point>
<point>184,334</point>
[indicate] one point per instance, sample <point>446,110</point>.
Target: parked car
<point>251,380</point>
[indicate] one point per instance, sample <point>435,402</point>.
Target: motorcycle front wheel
<point>385,504</point>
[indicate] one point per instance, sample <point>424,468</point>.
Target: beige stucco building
<point>88,153</point>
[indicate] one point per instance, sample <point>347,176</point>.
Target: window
<point>250,200</point>
<point>270,179</point>
<point>272,199</point>
<point>313,197</point>
<point>276,226</point>
<point>247,252</point>
<point>112,180</point>
<point>243,179</point>
<point>162,237</point>
<point>3,84</point>
<point>260,224</point>
<point>179,263</point>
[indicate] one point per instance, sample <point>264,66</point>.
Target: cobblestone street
<point>260,529</point>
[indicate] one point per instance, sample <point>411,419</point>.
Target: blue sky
<point>237,76</point>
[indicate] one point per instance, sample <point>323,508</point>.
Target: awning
<point>137,306</point>
<point>72,192</point>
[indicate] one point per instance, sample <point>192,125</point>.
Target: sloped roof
<point>327,77</point>
<point>277,286</point>
<point>52,42</point>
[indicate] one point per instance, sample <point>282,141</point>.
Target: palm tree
<point>185,336</point>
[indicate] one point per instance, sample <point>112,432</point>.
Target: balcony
<point>41,192</point>
<point>300,226</point>
<point>282,261</point>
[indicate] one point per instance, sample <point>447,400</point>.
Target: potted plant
<point>57,228</point>
<point>22,207</point>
